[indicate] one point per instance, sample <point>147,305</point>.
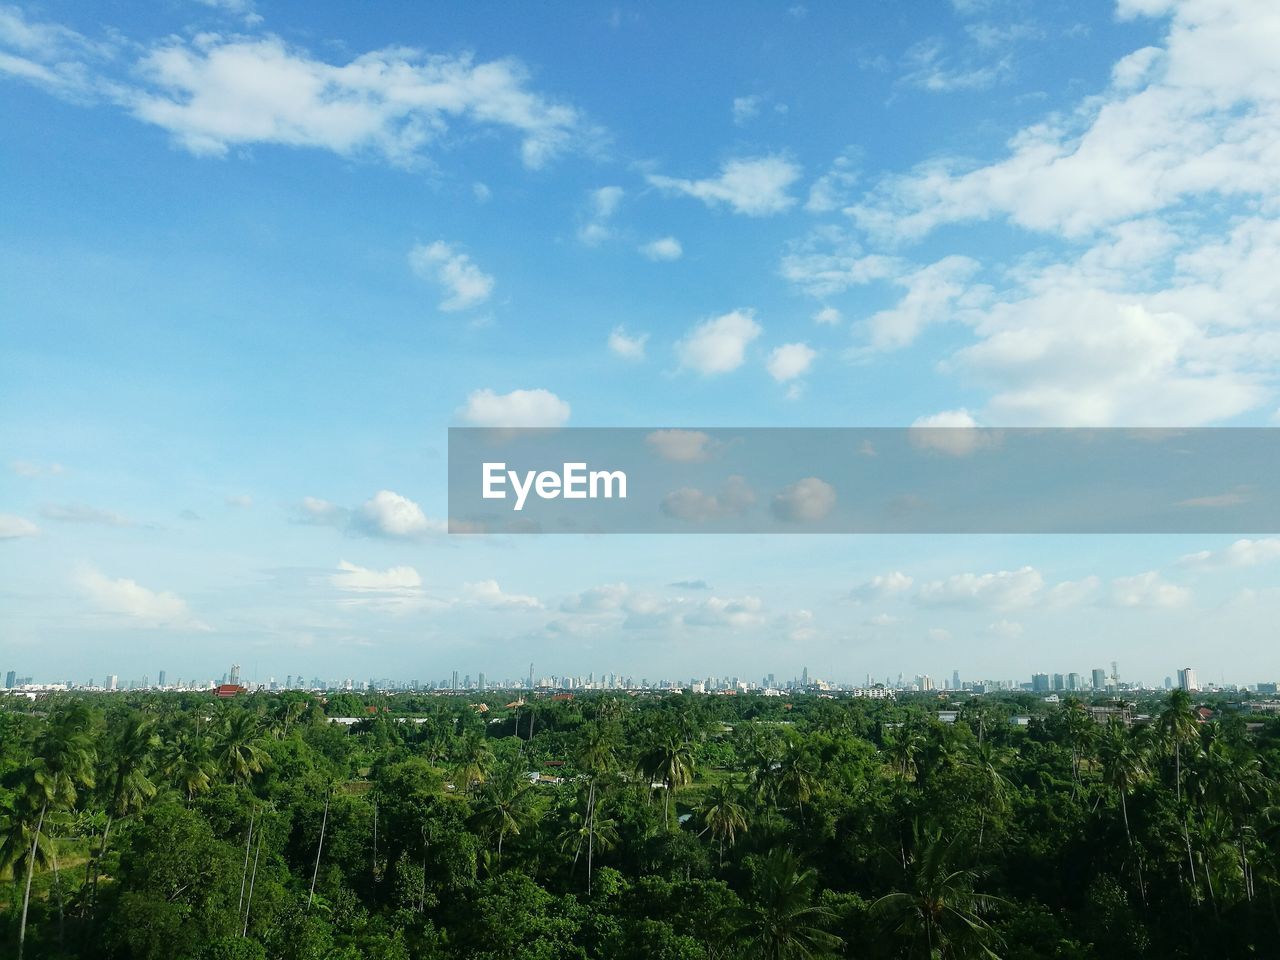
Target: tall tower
<point>235,674</point>
<point>530,674</point>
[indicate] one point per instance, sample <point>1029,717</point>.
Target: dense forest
<point>166,826</point>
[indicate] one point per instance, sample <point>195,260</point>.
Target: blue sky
<point>258,257</point>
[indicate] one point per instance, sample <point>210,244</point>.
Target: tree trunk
<point>57,886</point>
<point>244,871</point>
<point>591,830</point>
<point>31,869</point>
<point>319,847</point>
<point>252,878</point>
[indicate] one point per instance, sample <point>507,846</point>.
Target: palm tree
<point>725,817</point>
<point>796,778</point>
<point>63,764</point>
<point>596,755</point>
<point>1124,766</point>
<point>1178,724</point>
<point>782,922</point>
<point>505,806</point>
<point>133,754</point>
<point>989,762</point>
<point>474,758</point>
<point>940,917</point>
<point>904,748</point>
<point>669,759</point>
<point>241,749</point>
<point>186,760</point>
<point>599,830</point>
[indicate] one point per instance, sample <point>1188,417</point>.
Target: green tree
<point>782,920</point>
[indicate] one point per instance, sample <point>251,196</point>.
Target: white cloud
<point>828,262</point>
<point>933,293</point>
<point>664,248</point>
<point>216,92</point>
<point>519,408</point>
<point>718,345</point>
<point>1147,590</point>
<point>832,190</point>
<point>726,612</point>
<point>883,586</point>
<point>938,635</point>
<point>928,68</point>
<point>756,186</point>
<point>828,316</point>
<point>481,192</point>
<point>404,580</point>
<point>1241,553</point>
<point>127,598</point>
<point>1072,593</point>
<point>1005,589</point>
<point>682,446</point>
<point>602,204</point>
<point>388,514</point>
<point>954,432</point>
<point>464,284</point>
<point>627,346</point>
<point>789,361</point>
<point>240,500</point>
<point>13,527</point>
<point>487,593</point>
<point>696,506</point>
<point>805,501</point>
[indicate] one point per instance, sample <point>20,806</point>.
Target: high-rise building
<point>10,678</point>
<point>481,683</point>
<point>955,679</point>
<point>160,678</point>
<point>1040,683</point>
<point>1099,678</point>
<point>1073,681</point>
<point>234,677</point>
<point>804,677</point>
<point>454,684</point>
<point>1059,682</point>
<point>113,682</point>
<point>1187,680</point>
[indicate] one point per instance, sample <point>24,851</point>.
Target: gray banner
<point>864,480</point>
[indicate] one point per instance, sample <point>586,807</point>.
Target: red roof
<point>228,690</point>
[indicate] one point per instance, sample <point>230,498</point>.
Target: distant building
<point>1073,681</point>
<point>225,691</point>
<point>10,679</point>
<point>1039,682</point>
<point>1099,678</point>
<point>1187,680</point>
<point>1059,682</point>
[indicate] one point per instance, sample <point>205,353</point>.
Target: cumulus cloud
<point>664,248</point>
<point>754,186</point>
<point>389,514</point>
<point>883,586</point>
<point>1003,590</point>
<point>519,408</point>
<point>1241,553</point>
<point>933,293</point>
<point>805,501</point>
<point>827,262</point>
<point>487,593</point>
<point>697,506</point>
<point>1147,590</point>
<point>828,316</point>
<point>682,446</point>
<point>13,527</point>
<point>465,285</point>
<point>402,580</point>
<point>833,189</point>
<point>627,346</point>
<point>953,432</point>
<point>241,500</point>
<point>129,599</point>
<point>789,361</point>
<point>718,345</point>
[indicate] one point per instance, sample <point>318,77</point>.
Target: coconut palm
<point>505,806</point>
<point>473,758</point>
<point>781,921</point>
<point>62,766</point>
<point>1178,724</point>
<point>596,755</point>
<point>667,758</point>
<point>187,762</point>
<point>940,916</point>
<point>724,816</point>
<point>133,754</point>
<point>240,749</point>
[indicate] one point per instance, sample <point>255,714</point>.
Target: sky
<point>258,257</point>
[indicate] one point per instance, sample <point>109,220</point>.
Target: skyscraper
<point>1040,682</point>
<point>1099,678</point>
<point>9,679</point>
<point>160,678</point>
<point>1187,680</point>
